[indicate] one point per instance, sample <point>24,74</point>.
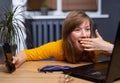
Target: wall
<point>4,5</point>
<point>108,26</point>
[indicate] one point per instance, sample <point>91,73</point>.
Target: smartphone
<point>9,57</point>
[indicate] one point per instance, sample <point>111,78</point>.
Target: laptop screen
<point>114,66</point>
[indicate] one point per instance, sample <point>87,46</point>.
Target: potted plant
<point>10,28</point>
<point>44,9</point>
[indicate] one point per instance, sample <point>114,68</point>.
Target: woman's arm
<point>51,49</point>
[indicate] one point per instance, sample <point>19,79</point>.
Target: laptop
<point>101,72</point>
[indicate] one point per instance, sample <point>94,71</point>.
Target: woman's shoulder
<point>57,42</point>
<point>53,45</point>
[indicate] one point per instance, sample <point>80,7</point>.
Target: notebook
<point>101,72</point>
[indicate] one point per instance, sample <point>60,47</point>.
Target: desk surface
<point>28,73</point>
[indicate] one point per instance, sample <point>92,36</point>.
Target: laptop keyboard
<point>101,74</point>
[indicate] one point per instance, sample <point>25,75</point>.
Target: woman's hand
<point>19,59</point>
<point>91,44</point>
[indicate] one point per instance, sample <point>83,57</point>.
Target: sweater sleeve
<point>52,49</point>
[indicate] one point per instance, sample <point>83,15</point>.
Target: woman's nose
<point>83,33</point>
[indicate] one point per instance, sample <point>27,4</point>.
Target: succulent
<point>44,5</point>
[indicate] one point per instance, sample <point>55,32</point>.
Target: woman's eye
<point>77,29</point>
<point>87,29</point>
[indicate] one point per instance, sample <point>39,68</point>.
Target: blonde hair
<point>73,20</point>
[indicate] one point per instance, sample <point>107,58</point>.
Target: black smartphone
<point>9,57</point>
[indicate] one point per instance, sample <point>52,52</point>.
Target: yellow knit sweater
<point>52,49</point>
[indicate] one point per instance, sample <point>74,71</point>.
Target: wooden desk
<point>28,73</point>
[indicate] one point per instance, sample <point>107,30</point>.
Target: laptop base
<point>93,72</point>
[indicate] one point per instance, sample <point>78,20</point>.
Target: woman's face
<point>80,32</point>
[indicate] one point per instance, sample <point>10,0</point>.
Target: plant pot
<point>44,11</point>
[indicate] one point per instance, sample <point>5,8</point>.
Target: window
<point>62,8</point>
<point>34,5</point>
<point>67,5</point>
<point>87,5</point>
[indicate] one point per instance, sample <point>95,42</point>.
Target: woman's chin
<point>81,49</point>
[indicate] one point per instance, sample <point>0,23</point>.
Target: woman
<point>77,43</point>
